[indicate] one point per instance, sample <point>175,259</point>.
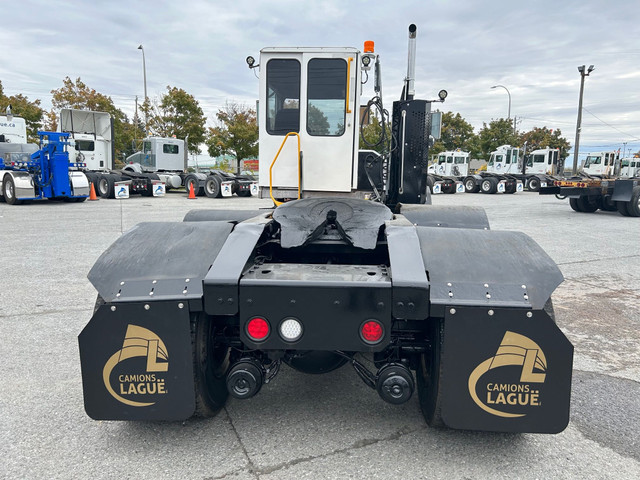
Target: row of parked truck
<point>67,163</point>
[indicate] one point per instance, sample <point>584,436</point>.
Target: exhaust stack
<point>411,64</point>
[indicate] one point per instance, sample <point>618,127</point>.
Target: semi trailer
<point>409,294</point>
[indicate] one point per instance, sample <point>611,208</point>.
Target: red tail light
<point>371,331</point>
<point>258,329</point>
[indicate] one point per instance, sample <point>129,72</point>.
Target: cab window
<point>449,159</point>
<point>458,160</point>
<point>283,96</point>
<point>85,145</point>
<point>441,159</point>
<point>146,147</point>
<point>326,91</point>
<point>168,148</point>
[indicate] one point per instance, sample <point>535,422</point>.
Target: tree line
<point>235,131</point>
<point>176,113</point>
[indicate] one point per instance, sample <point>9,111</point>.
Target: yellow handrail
<point>349,60</point>
<point>274,161</point>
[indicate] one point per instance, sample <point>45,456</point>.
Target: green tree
<point>372,133</point>
<point>178,113</point>
<point>22,107</point>
<point>235,134</point>
<point>318,123</point>
<point>456,133</point>
<point>544,137</point>
<point>498,132</point>
<point>80,96</point>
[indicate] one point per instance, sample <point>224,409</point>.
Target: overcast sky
<point>464,46</point>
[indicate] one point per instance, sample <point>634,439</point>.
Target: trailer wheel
<point>210,367</point>
<point>573,202</point>
<point>533,184</point>
<point>429,377</point>
<point>586,205</point>
<point>489,185</point>
<point>197,190</point>
<point>633,207</point>
<point>430,183</point>
<point>106,186</point>
<point>212,187</point>
<point>608,205</point>
<point>470,185</point>
<point>9,191</point>
<point>315,362</point>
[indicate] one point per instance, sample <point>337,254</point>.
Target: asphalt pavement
<point>307,426</point>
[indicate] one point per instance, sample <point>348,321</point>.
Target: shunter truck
<point>411,295</point>
<point>445,175</point>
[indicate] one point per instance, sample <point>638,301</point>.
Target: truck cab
<point>504,160</point>
<point>543,161</point>
<point>90,135</point>
<point>161,154</point>
<point>311,94</point>
<point>454,164</point>
<point>600,163</point>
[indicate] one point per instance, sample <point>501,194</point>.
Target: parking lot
<point>303,426</point>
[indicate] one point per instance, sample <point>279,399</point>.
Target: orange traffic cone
<point>92,193</point>
<point>192,194</point>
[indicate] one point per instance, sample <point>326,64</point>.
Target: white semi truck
<point>161,164</point>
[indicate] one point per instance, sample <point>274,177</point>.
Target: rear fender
<point>486,268</point>
<point>446,216</point>
<point>159,261</point>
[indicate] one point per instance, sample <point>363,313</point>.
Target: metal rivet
<point>220,300</point>
<point>490,312</point>
<point>117,294</point>
<point>154,282</point>
<point>448,284</point>
<point>452,311</point>
<point>181,305</point>
<point>147,307</point>
<point>411,305</point>
<point>184,291</point>
<point>529,314</point>
<point>488,295</point>
<point>486,285</point>
<point>336,302</point>
<point>151,293</point>
<point>524,286</point>
<point>121,283</point>
<point>113,308</point>
<point>451,294</point>
<point>187,280</point>
<point>229,300</point>
<point>249,300</point>
<point>526,297</point>
<point>292,301</point>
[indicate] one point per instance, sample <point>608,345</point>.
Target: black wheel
<point>430,183</point>
<point>9,190</point>
<point>429,377</point>
<point>633,207</point>
<point>608,205</point>
<point>533,184</point>
<point>489,185</point>
<point>560,197</point>
<point>622,208</point>
<point>470,185</point>
<point>212,187</point>
<point>573,202</point>
<point>197,190</point>
<point>210,365</point>
<point>106,186</point>
<point>586,205</point>
<point>316,362</point>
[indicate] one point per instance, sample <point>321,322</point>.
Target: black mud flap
<point>505,370</point>
<point>137,362</point>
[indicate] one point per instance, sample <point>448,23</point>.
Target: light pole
<point>576,148</point>
<point>508,93</point>
<point>144,72</point>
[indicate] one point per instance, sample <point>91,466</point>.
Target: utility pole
<point>576,148</point>
<point>146,104</point>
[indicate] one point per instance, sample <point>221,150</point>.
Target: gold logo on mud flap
<point>138,342</point>
<point>514,350</point>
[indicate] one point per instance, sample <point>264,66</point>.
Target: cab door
<point>327,128</point>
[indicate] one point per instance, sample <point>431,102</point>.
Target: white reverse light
<point>291,330</point>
